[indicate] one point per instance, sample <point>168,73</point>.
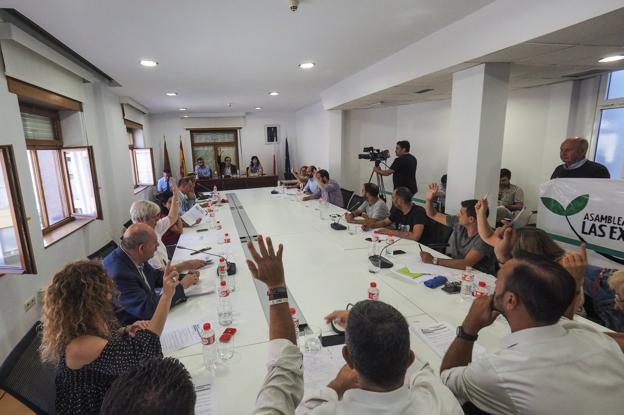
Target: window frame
<point>18,215</point>
<point>602,103</point>
<point>94,182</point>
<point>131,126</point>
<point>215,145</point>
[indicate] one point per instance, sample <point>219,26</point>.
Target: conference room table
<point>325,269</point>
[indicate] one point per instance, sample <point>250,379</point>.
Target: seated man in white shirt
<point>545,366</point>
<point>377,356</point>
<point>372,210</point>
<point>283,385</point>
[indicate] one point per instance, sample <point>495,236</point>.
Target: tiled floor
<point>10,406</point>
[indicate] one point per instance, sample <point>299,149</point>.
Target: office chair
<point>103,251</point>
<point>25,377</point>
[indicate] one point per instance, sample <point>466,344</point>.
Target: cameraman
<point>403,168</point>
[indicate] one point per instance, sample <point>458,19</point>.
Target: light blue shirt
<point>203,171</point>
<point>163,185</point>
<point>312,187</point>
<point>574,165</point>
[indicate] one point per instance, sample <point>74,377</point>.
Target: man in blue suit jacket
<point>135,279</point>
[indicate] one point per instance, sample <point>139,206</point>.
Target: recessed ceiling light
<point>183,109</point>
<point>185,116</point>
<point>307,65</point>
<point>613,58</point>
<point>274,93</point>
<point>148,63</point>
<point>171,94</point>
<point>258,108</point>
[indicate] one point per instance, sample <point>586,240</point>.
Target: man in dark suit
<point>226,168</point>
<point>135,279</point>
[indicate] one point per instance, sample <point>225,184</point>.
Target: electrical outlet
<point>30,303</point>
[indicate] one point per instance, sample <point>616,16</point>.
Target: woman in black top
<point>82,336</point>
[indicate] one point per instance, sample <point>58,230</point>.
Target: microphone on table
<point>378,259</point>
<point>231,266</point>
<point>336,225</point>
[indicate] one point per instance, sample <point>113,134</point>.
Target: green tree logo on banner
<point>574,207</point>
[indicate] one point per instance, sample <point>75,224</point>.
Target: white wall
<point>537,120</point>
<point>252,138</point>
<point>312,138</point>
<point>101,126</point>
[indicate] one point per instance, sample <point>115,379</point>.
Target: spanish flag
<point>182,161</point>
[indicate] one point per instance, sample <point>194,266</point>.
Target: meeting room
<point>312,207</point>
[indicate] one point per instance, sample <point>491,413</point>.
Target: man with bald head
<point>575,165</point>
<point>135,279</point>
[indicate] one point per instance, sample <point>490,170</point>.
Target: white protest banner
<point>585,210</point>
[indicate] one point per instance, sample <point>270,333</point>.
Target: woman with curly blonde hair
<point>82,336</point>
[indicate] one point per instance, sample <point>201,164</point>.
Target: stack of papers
<point>439,337</point>
<point>206,285</point>
<point>194,213</point>
<point>321,367</point>
<point>179,339</point>
<point>205,404</point>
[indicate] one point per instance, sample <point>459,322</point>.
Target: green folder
<point>413,275</point>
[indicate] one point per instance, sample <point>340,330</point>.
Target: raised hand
<point>432,190</point>
<point>503,247</point>
<point>170,281</point>
<point>267,265</point>
<point>482,205</point>
<point>575,263</point>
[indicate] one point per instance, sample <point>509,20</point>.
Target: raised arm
<point>170,282</point>
<point>431,211</point>
<point>174,211</point>
<point>486,233</point>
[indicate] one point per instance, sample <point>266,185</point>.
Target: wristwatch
<point>465,336</point>
<point>435,260</point>
<point>277,293</point>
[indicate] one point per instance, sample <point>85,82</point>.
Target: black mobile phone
<point>368,239</point>
<point>202,230</point>
<point>398,252</point>
<point>452,287</point>
<point>333,340</point>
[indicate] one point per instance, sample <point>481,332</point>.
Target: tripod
<point>379,182</point>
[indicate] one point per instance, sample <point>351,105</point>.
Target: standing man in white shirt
<point>377,355</point>
<point>545,366</point>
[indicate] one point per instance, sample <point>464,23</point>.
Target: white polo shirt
<point>566,368</point>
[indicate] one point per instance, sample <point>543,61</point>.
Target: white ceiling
<point>564,55</point>
<point>215,52</point>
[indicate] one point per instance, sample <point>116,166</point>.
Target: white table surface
<point>325,269</point>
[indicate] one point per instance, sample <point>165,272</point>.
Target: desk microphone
<point>231,266</point>
<point>378,259</point>
<point>336,225</point>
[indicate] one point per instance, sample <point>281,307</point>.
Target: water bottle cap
<point>227,234</point>
<point>293,310</point>
<point>207,326</point>
<point>373,284</point>
<point>223,283</point>
<point>482,284</point>
<point>225,337</point>
<point>221,259</point>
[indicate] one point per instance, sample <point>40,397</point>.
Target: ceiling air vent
<point>585,74</point>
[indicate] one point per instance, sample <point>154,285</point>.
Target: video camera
<point>374,154</point>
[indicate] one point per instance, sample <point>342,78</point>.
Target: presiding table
<point>325,270</point>
<point>234,183</point>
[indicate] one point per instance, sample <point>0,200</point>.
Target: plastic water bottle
<point>218,225</point>
<point>466,284</point>
<point>373,291</point>
<point>481,290</point>
<point>224,306</point>
<point>215,192</point>
<point>293,313</point>
<point>373,255</point>
<point>222,270</point>
<point>231,281</point>
<point>389,241</point>
<point>209,347</point>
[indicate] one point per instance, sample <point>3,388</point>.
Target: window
<point>142,158</point>
<point>609,149</point>
<point>208,143</point>
<point>63,178</point>
<point>15,250</point>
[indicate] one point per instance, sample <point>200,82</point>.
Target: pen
<point>419,246</point>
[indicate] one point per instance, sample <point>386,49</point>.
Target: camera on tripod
<point>374,154</point>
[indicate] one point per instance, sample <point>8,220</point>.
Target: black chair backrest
<point>436,235</point>
<point>346,195</point>
<point>103,251</point>
<point>26,377</point>
<point>354,202</point>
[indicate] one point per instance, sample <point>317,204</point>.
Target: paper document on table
<point>205,402</point>
<point>319,368</point>
<point>180,338</point>
<point>413,269</point>
<point>194,213</point>
<point>439,336</point>
<point>206,285</point>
